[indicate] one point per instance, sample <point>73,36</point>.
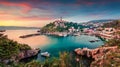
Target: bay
<point>51,44</point>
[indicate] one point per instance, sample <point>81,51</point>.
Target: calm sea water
<point>54,45</point>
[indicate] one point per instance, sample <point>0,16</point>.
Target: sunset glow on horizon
<point>25,23</point>
<point>37,13</point>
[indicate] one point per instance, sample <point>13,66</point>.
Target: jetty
<point>59,34</point>
<point>29,35</point>
<point>2,30</point>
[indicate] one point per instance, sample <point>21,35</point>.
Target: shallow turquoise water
<point>54,45</point>
<point>60,44</point>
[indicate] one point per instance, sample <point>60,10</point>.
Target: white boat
<point>45,54</point>
<point>76,34</point>
<point>62,35</point>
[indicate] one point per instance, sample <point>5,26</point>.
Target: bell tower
<point>60,18</point>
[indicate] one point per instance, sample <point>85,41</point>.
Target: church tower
<point>60,18</point>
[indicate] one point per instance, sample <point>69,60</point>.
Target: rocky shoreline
<point>25,54</point>
<point>96,54</point>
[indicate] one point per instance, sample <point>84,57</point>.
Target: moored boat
<point>45,54</point>
<point>62,35</point>
<point>94,41</point>
<point>76,34</point>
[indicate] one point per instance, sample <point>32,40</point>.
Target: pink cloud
<point>34,18</point>
<point>7,16</point>
<point>26,7</point>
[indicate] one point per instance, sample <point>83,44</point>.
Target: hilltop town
<point>65,28</point>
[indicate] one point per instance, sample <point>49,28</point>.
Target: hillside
<point>11,52</point>
<point>60,26</point>
<point>114,24</point>
<point>110,58</point>
<point>102,20</point>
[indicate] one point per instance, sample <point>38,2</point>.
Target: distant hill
<point>102,20</point>
<point>114,24</point>
<point>16,28</point>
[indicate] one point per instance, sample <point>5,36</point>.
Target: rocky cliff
<point>22,55</point>
<point>97,54</point>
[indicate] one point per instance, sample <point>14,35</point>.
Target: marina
<point>50,43</point>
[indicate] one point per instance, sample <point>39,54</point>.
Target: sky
<point>37,13</point>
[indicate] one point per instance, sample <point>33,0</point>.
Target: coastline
<point>22,56</point>
<point>28,57</point>
<point>97,54</point>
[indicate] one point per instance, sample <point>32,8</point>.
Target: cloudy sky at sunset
<point>39,12</point>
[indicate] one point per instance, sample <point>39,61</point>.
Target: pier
<point>29,35</point>
<point>2,30</point>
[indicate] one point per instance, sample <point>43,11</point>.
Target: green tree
<point>33,64</point>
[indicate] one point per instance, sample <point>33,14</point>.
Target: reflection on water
<point>70,43</point>
<point>54,45</point>
<point>34,42</point>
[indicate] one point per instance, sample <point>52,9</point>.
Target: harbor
<point>50,43</point>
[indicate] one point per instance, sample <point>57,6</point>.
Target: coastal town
<point>91,28</point>
<point>59,33</point>
<point>62,28</point>
<point>94,29</point>
<point>105,31</point>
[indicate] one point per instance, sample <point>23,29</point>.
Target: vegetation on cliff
<point>114,24</point>
<point>61,27</point>
<point>113,42</point>
<point>48,28</point>
<point>112,57</point>
<point>10,48</point>
<point>65,59</point>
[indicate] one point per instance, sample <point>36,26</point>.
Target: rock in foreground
<point>98,54</point>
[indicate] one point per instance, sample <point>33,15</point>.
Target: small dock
<point>29,35</point>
